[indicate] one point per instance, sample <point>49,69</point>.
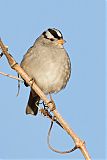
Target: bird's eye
<point>52,39</point>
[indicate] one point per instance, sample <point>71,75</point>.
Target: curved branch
<point>78,142</point>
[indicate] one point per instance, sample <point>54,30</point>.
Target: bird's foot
<point>45,112</point>
<point>53,104</point>
<point>53,107</point>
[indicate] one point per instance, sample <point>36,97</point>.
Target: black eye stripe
<point>54,33</point>
<point>44,33</point>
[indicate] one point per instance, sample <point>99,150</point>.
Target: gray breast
<point>49,67</point>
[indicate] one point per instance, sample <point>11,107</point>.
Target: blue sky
<point>82,103</point>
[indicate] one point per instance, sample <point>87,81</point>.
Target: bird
<point>48,64</point>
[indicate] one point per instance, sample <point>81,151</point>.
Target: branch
<point>10,76</point>
<point>78,142</point>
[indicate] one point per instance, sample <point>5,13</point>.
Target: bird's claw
<point>53,104</point>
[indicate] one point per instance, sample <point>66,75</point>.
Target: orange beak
<point>61,41</point>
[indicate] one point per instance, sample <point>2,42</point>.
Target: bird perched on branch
<point>48,64</point>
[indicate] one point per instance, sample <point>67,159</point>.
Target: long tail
<point>31,106</point>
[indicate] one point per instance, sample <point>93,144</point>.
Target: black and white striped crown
<point>53,33</point>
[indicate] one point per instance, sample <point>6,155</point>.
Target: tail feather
<point>31,106</point>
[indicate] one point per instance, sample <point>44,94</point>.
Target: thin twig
<point>53,149</point>
<point>78,142</point>
<point>10,76</point>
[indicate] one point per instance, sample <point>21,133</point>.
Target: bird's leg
<point>53,103</point>
<point>45,106</point>
<point>44,111</point>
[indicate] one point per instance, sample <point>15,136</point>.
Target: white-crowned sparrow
<point>48,64</point>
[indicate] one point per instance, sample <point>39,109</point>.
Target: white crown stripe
<point>58,33</point>
<point>53,33</point>
<point>49,35</point>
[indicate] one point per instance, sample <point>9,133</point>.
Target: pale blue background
<point>82,103</point>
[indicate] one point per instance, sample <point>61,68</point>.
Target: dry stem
<point>78,142</point>
<point>10,76</point>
